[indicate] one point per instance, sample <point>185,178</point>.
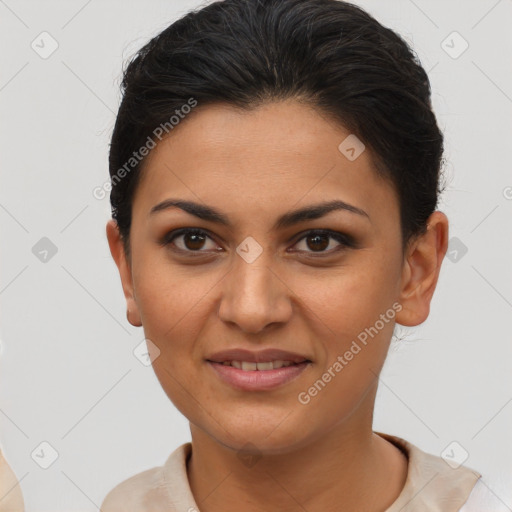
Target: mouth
<point>250,366</point>
<point>261,376</point>
<point>257,370</point>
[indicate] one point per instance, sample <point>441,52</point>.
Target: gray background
<point>68,375</point>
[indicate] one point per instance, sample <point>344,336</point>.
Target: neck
<point>348,468</point>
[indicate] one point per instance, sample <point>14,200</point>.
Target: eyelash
<point>345,241</point>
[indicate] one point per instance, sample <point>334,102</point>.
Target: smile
<point>261,376</point>
<point>263,366</point>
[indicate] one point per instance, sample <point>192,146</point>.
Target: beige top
<point>431,485</point>
<point>11,499</point>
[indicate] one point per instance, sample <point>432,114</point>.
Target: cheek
<point>169,297</point>
<point>346,300</point>
<point>351,312</point>
<point>355,328</point>
<point>174,311</point>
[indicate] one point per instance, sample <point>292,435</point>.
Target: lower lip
<point>256,380</point>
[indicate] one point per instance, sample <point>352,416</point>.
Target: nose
<point>254,296</point>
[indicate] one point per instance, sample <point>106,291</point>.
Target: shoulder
<point>159,489</point>
<point>143,491</point>
<point>483,498</point>
<point>433,482</point>
<point>447,485</point>
<point>12,500</point>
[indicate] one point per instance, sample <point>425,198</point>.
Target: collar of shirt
<point>432,484</point>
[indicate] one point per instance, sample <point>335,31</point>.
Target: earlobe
<point>421,271</point>
<point>118,254</point>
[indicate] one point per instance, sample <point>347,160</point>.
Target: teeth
<point>280,364</point>
<point>251,366</point>
<point>263,366</point>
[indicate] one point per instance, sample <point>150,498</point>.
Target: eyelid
<point>344,240</point>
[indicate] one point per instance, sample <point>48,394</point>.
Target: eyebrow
<point>288,219</point>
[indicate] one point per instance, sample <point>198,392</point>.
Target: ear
<point>422,264</point>
<point>124,266</point>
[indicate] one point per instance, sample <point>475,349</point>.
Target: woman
<point>275,171</point>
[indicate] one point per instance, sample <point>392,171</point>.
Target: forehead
<point>273,157</point>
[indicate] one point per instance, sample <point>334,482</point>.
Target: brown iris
<point>193,241</point>
<point>320,242</point>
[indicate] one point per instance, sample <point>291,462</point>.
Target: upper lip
<point>261,356</point>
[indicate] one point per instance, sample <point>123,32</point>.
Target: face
<point>314,285</point>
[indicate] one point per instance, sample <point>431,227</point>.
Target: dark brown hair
<point>328,53</point>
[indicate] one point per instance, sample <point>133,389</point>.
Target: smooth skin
<point>298,295</point>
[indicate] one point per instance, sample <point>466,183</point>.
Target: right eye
<point>191,240</point>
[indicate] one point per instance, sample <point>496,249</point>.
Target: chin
<point>271,437</point>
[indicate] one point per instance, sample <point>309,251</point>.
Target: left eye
<point>320,241</point>
<point>193,240</point>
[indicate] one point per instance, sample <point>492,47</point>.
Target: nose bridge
<point>253,296</point>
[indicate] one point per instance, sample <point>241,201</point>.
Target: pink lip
<point>256,380</point>
<point>262,356</point>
